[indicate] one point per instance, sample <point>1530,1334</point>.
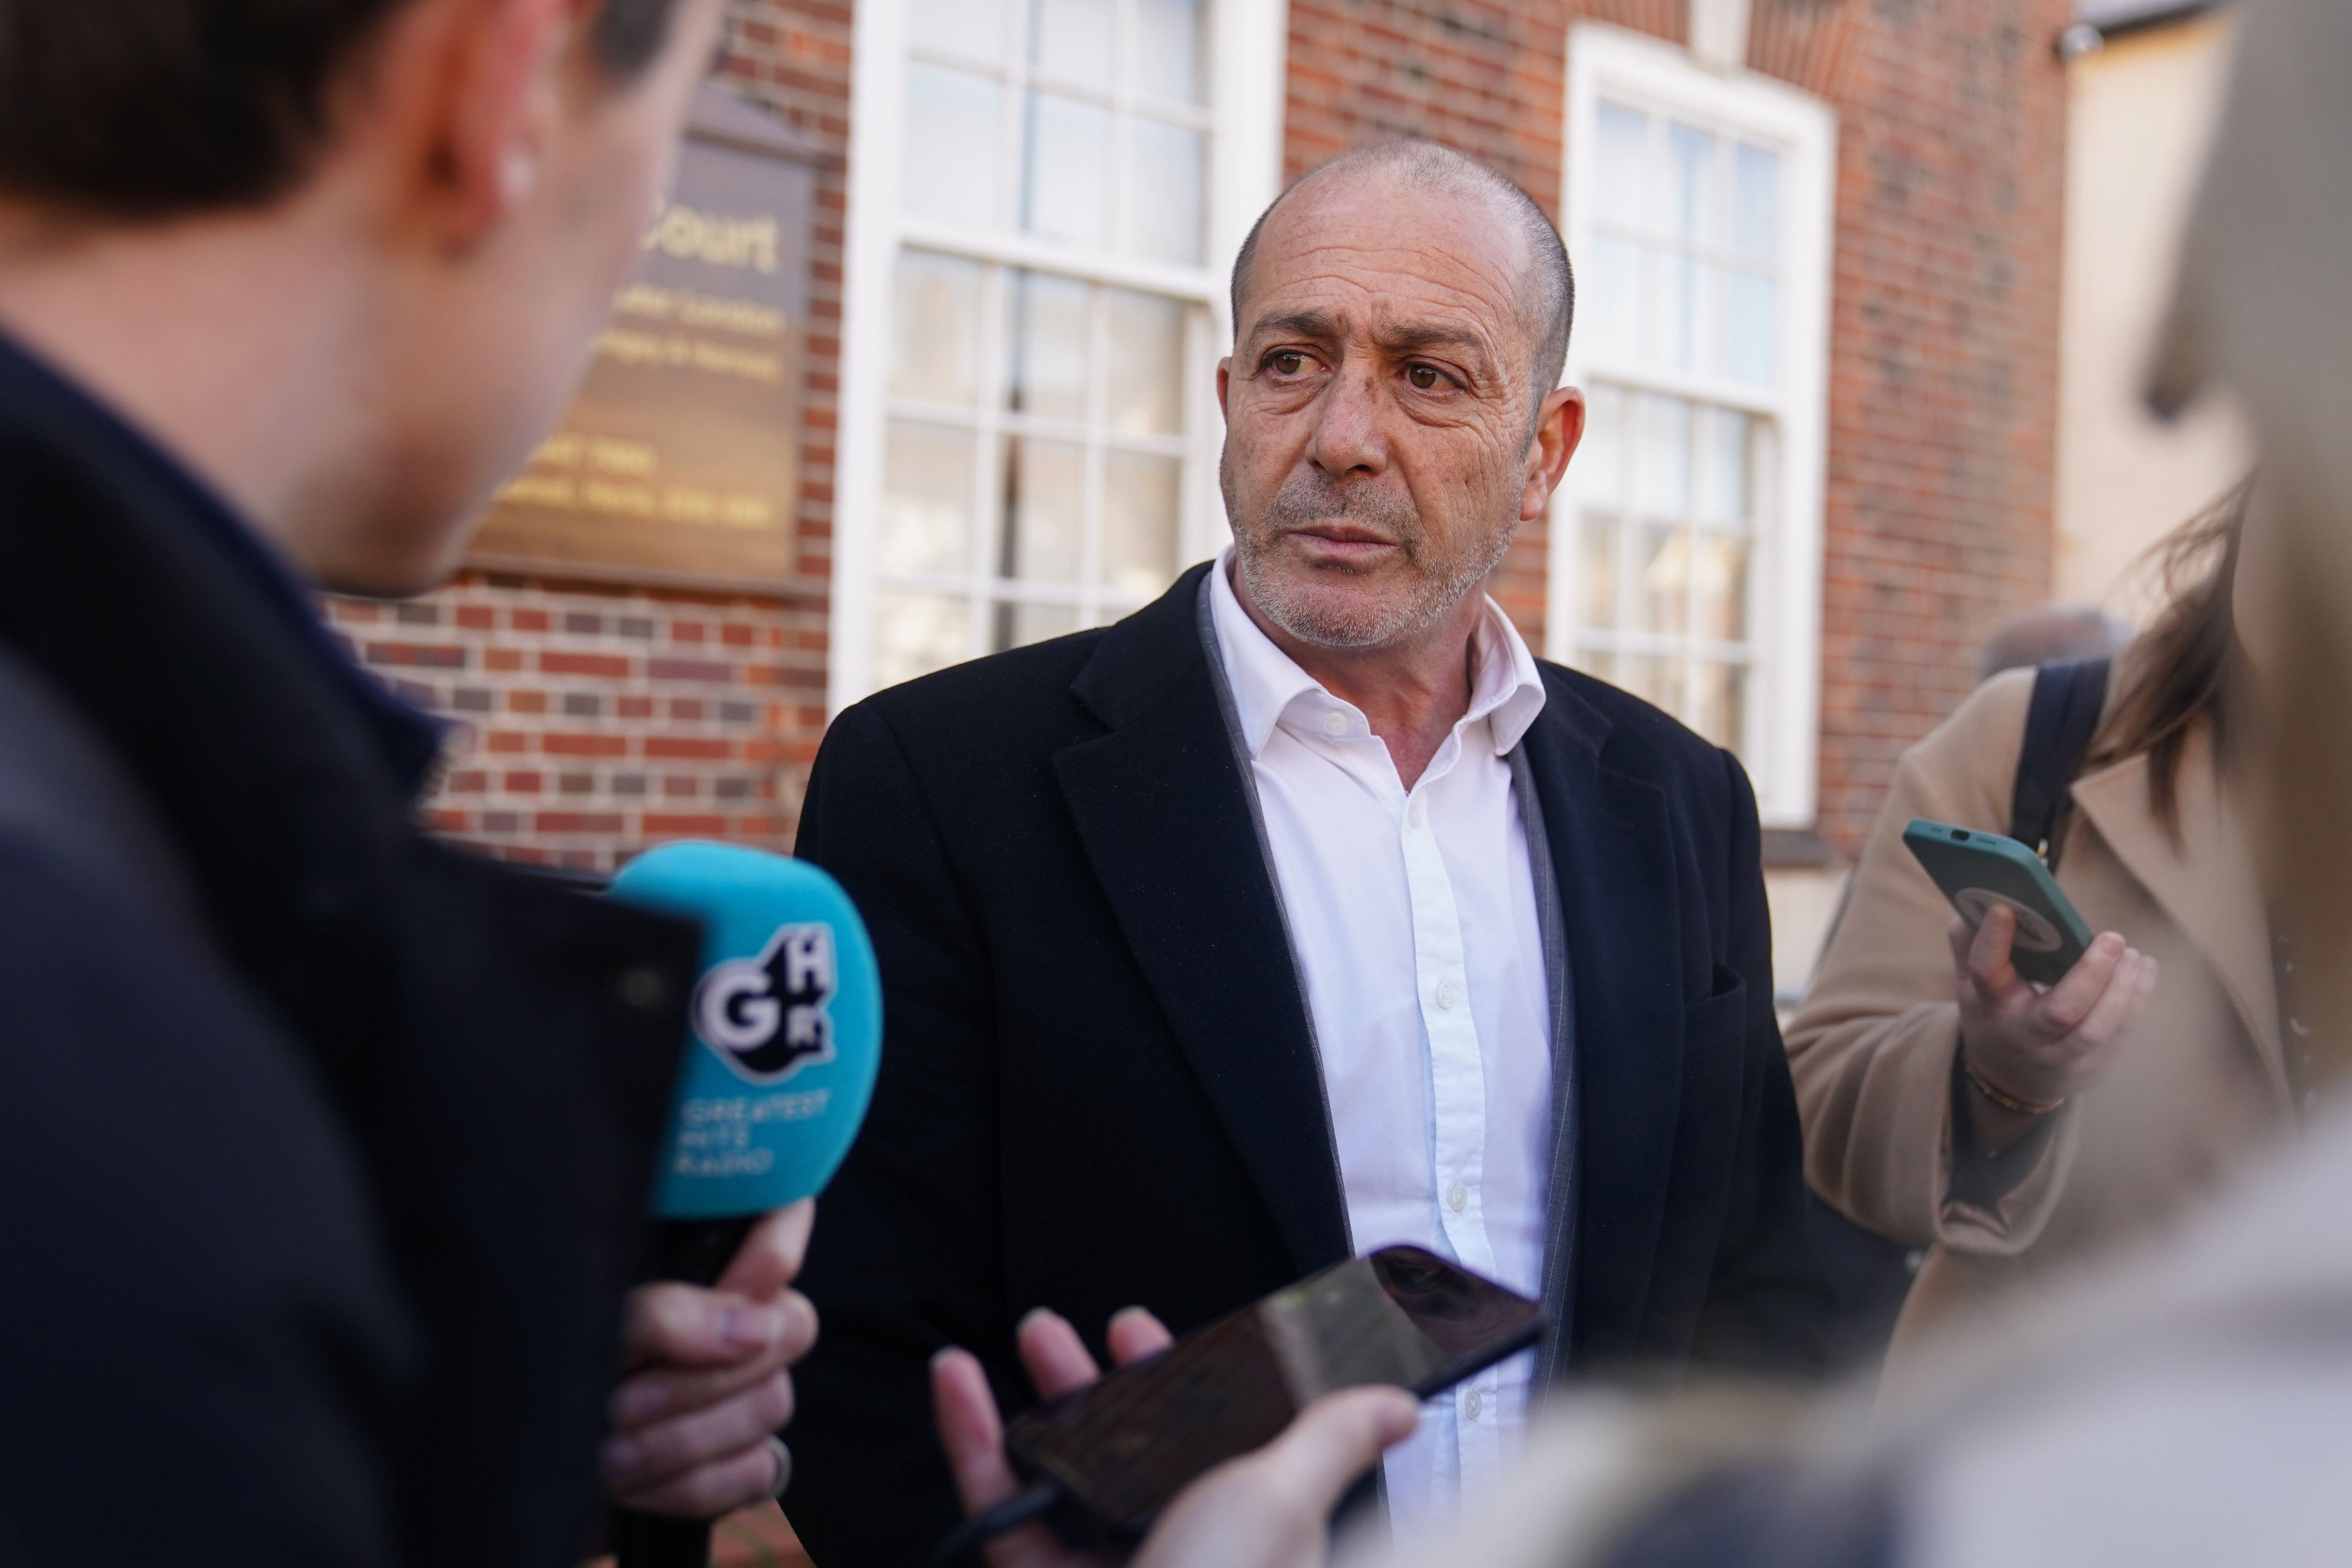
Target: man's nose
<point>1348,437</point>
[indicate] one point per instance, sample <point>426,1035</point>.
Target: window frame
<point>1246,46</point>
<point>1782,747</point>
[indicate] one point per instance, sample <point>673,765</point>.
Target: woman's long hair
<point>2183,672</point>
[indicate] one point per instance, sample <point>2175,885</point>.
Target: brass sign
<point>679,461</point>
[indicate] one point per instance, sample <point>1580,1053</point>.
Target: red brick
<point>688,668</point>
<point>681,746</point>
<point>576,822</point>
<point>704,824</point>
<point>584,746</point>
<point>603,666</point>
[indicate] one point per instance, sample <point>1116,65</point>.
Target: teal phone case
<point>1977,870</point>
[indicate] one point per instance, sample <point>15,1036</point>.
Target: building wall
<point>2141,110</point>
<point>1942,408</point>
<point>594,719</point>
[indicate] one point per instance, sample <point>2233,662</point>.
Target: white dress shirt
<point>1414,917</point>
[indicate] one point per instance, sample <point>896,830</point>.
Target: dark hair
<point>2184,671</point>
<point>1434,166</point>
<point>147,108</point>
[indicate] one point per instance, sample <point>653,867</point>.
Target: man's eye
<point>1287,363</point>
<point>1424,377</point>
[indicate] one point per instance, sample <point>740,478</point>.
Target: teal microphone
<point>785,1039</point>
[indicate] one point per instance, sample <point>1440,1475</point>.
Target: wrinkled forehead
<point>1373,249</point>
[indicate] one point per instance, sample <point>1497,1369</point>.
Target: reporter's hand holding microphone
<point>785,1043</point>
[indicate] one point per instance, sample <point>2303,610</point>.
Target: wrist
<point>1995,1094</point>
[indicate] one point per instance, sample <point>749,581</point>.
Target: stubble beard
<point>1317,606</point>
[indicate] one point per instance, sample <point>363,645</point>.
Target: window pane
<point>935,336</point>
<point>963,27</point>
<point>1691,153</point>
<point>1597,661</point>
<point>1017,626</point>
<point>1044,497</point>
<point>1168,50</point>
<point>1049,346</point>
<point>1599,460</point>
<point>1618,162</point>
<point>1147,362</point>
<point>927,481</point>
<point>1719,582</point>
<point>1755,200</point>
<point>1611,302</point>
<point>1723,486</point>
<point>1747,327</point>
<point>1661,601</point>
<point>1682,283</point>
<point>1140,522</point>
<point>1719,710</point>
<point>1069,169</point>
<point>1072,39</point>
<point>951,154</point>
<point>1653,679</point>
<point>1661,456</point>
<point>1166,175</point>
<point>915,634</point>
<point>1597,568</point>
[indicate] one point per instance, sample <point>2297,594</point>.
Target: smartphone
<point>1123,1448</point>
<point>1977,870</point>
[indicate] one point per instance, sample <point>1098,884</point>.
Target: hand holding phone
<point>2035,1044</point>
<point>1268,1509</point>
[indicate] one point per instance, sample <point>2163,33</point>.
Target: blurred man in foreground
<point>322,1149</point>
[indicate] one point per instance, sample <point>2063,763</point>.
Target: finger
<point>770,1258</point>
<point>1337,1439</point>
<point>1135,1334</point>
<point>712,1491</point>
<point>1057,1360</point>
<point>643,1456</point>
<point>2118,1007</point>
<point>686,1325</point>
<point>663,1389</point>
<point>971,1431</point>
<point>1988,951</point>
<point>1962,936</point>
<point>2068,1004</point>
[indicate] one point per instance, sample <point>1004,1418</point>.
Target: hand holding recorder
<point>1270,1508</point>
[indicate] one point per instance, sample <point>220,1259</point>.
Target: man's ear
<point>1560,426</point>
<point>1224,379</point>
<point>494,106</point>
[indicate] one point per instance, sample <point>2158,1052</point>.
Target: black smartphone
<point>1122,1448</point>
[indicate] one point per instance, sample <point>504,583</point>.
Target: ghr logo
<point>766,1016</point>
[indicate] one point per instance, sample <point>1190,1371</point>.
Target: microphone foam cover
<point>785,1024</point>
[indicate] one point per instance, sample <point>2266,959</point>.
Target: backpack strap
<point>2068,698</point>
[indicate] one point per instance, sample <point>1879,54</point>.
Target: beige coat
<point>2199,1083</point>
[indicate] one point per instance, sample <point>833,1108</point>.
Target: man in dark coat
<point>323,1149</point>
<point>1304,911</point>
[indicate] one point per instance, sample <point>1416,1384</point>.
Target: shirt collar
<point>1506,688</point>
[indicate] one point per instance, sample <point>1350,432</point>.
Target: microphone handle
<point>696,1251</point>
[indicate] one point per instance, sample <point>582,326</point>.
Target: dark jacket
<point>323,1148</point>
<point>1099,1086</point>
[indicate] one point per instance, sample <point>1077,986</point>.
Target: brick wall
<point>1944,336</point>
<point>594,719</point>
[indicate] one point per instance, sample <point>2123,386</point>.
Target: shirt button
<point>1472,1403</point>
<point>1445,996</point>
<point>1335,723</point>
<point>1457,1198</point>
<point>1412,813</point>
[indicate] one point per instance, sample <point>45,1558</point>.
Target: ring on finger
<point>784,1458</point>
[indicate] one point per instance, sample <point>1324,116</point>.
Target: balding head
<point>1548,285</point>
